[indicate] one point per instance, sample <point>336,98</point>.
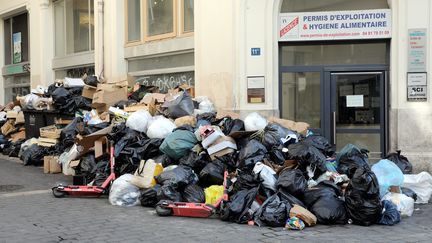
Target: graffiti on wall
<point>169,81</point>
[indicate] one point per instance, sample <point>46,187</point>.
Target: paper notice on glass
<point>354,101</point>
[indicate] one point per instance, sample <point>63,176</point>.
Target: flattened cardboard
<point>88,91</point>
<point>222,114</point>
<point>300,127</point>
<point>303,214</point>
<point>160,98</point>
<point>108,98</point>
<point>87,142</point>
<point>18,135</point>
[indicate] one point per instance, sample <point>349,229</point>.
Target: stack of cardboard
<point>49,136</point>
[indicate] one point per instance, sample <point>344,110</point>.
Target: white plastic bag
<point>266,174</point>
<point>255,121</point>
<point>404,204</point>
<point>66,157</point>
<point>160,127</point>
<point>421,184</point>
<point>73,82</point>
<point>139,120</point>
<point>123,193</point>
<point>388,174</point>
<point>205,105</point>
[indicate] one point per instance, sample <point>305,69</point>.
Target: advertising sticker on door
<point>338,25</point>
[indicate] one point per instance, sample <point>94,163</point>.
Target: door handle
<point>334,127</point>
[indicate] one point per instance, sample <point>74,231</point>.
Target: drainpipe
<point>99,38</point>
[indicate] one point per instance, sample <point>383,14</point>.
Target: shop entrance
<point>344,98</point>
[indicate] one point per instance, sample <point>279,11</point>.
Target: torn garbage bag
<point>178,177</point>
<point>362,199</point>
<point>148,196</point>
<point>193,193</point>
<point>325,203</point>
<point>388,174</point>
<point>401,161</point>
<point>123,193</point>
<point>178,144</point>
<point>251,154</point>
<point>273,212</point>
<point>238,208</point>
<point>390,214</point>
<point>293,181</point>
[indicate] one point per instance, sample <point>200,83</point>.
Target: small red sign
<point>289,27</point>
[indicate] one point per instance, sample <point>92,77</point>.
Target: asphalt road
<point>29,213</point>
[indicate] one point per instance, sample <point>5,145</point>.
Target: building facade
<point>357,71</point>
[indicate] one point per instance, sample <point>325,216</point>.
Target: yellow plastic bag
<point>144,175</point>
<point>213,194</point>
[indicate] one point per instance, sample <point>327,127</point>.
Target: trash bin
<point>34,120</point>
<point>52,116</point>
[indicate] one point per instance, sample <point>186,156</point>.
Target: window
<point>74,26</point>
<point>16,39</point>
<point>331,5</point>
<point>149,20</point>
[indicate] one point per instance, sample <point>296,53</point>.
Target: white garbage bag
<point>421,184</point>
<point>160,127</point>
<point>255,121</point>
<point>123,193</point>
<point>139,120</point>
<point>266,174</point>
<point>404,204</point>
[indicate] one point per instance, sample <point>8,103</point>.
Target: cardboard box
<point>20,118</point>
<point>220,144</point>
<point>101,147</point>
<point>11,114</point>
<point>109,97</point>
<point>88,91</point>
<point>18,135</point>
<point>88,142</point>
<point>221,153</point>
<point>211,139</point>
<point>303,214</point>
<point>135,108</point>
<point>160,98</point>
<point>51,165</point>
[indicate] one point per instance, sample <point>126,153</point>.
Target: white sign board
<point>338,25</point>
<point>417,41</point>
<point>255,83</point>
<point>417,79</point>
<point>354,101</point>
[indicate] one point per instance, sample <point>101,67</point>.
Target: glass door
<point>357,110</point>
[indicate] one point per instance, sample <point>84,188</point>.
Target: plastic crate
<point>34,120</point>
<point>53,116</point>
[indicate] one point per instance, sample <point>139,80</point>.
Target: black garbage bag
<point>401,161</point>
<point>6,148</point>
<point>34,155</point>
<point>251,154</point>
<point>89,129</point>
<point>351,158</point>
<point>139,94</point>
<point>229,160</point>
<point>164,159</point>
<point>141,150</point>
<point>196,161</point>
<point>320,143</point>
<point>210,117</point>
<point>61,96</point>
<point>307,155</point>
<point>50,90</point>
<point>325,203</point>
<point>362,197</point>
<point>168,192</point>
<point>68,134</point>
<point>409,193</point>
<point>178,177</point>
<point>148,196</point>
<point>229,125</point>
<point>124,103</point>
<point>127,140</point>
<point>237,209</point>
<point>87,167</point>
<point>293,181</point>
<point>212,174</point>
<point>286,196</point>
<point>276,155</point>
<point>246,180</point>
<point>102,172</point>
<point>193,193</point>
<point>15,148</point>
<point>91,80</point>
<point>76,103</point>
<point>181,106</point>
<point>273,133</point>
<point>390,215</point>
<point>274,212</point>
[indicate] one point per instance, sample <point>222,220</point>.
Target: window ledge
<point>73,60</point>
<point>178,44</point>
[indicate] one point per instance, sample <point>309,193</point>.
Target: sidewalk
<point>32,214</point>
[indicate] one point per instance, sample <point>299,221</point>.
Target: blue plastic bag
<point>388,174</point>
<point>390,214</point>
